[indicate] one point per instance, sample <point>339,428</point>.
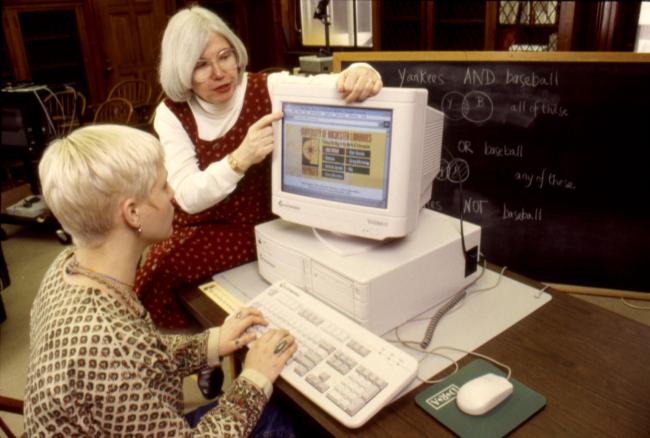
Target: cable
<point>417,346</point>
<point>420,346</point>
<point>458,169</point>
<point>634,306</point>
<point>434,352</point>
<point>428,334</point>
<point>471,353</point>
<point>455,299</point>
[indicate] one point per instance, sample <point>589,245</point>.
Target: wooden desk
<point>592,365</point>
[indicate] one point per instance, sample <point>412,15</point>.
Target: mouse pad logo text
<point>440,399</point>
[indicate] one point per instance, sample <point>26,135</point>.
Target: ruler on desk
<point>224,299</point>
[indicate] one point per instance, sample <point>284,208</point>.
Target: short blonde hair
<point>185,38</point>
<point>85,176</point>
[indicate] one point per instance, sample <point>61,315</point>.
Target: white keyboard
<point>348,371</point>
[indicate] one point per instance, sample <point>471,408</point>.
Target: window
<point>643,34</point>
<point>350,22</point>
<point>528,25</point>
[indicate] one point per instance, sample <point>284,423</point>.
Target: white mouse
<point>483,393</point>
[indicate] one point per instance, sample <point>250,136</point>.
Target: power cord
<point>428,334</point>
<point>450,304</point>
<point>417,346</point>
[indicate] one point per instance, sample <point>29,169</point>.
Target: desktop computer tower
<point>379,287</point>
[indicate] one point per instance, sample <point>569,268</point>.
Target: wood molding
<point>339,57</point>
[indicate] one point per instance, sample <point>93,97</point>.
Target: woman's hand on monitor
<point>358,83</point>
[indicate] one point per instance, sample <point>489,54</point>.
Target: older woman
<point>97,365</point>
<point>215,127</point>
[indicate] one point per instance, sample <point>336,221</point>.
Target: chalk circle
<point>477,107</point>
<point>454,171</point>
<point>451,105</point>
<point>458,170</point>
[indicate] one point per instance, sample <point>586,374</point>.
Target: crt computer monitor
<point>362,169</point>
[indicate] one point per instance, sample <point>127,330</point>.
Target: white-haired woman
<point>215,126</point>
<point>97,364</point>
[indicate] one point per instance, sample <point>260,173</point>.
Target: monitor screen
<point>336,153</point>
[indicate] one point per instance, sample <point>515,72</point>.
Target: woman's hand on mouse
<point>270,353</point>
<point>358,83</point>
<point>258,142</point>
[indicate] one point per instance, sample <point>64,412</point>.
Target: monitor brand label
<point>378,222</point>
<point>285,205</point>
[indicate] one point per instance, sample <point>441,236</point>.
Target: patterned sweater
<point>99,367</point>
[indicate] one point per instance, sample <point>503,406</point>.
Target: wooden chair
<point>159,98</point>
<point>66,109</point>
<point>136,91</point>
<point>152,111</point>
<point>12,406</point>
<point>114,110</point>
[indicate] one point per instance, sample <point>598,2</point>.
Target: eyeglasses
<point>226,59</point>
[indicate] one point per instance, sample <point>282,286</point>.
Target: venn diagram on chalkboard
<point>474,106</point>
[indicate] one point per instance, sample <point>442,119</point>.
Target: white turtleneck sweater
<point>197,190</point>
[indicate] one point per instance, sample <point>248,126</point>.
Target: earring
<point>139,230</point>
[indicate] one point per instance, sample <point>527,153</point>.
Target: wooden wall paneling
<point>376,25</point>
<point>85,28</point>
<point>91,48</point>
<point>491,14</point>
<point>566,26</point>
<point>605,21</point>
<point>15,44</point>
<point>279,34</point>
<point>131,32</point>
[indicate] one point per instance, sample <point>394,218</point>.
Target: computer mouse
<point>483,393</point>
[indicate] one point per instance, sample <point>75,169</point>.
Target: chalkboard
<point>551,153</point>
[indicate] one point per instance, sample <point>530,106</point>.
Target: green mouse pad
<point>439,401</point>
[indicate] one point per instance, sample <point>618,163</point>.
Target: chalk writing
<point>455,171</point>
<point>540,107</point>
<point>503,150</point>
<point>477,107</point>
<point>434,204</point>
<point>544,178</point>
<point>532,80</point>
<point>529,179</point>
<point>557,181</point>
<point>474,205</point>
<point>419,77</point>
<point>521,214</point>
<point>451,105</point>
<point>474,106</point>
<point>465,147</point>
<point>476,77</point>
<point>543,159</point>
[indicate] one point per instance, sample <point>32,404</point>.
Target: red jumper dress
<point>215,239</point>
